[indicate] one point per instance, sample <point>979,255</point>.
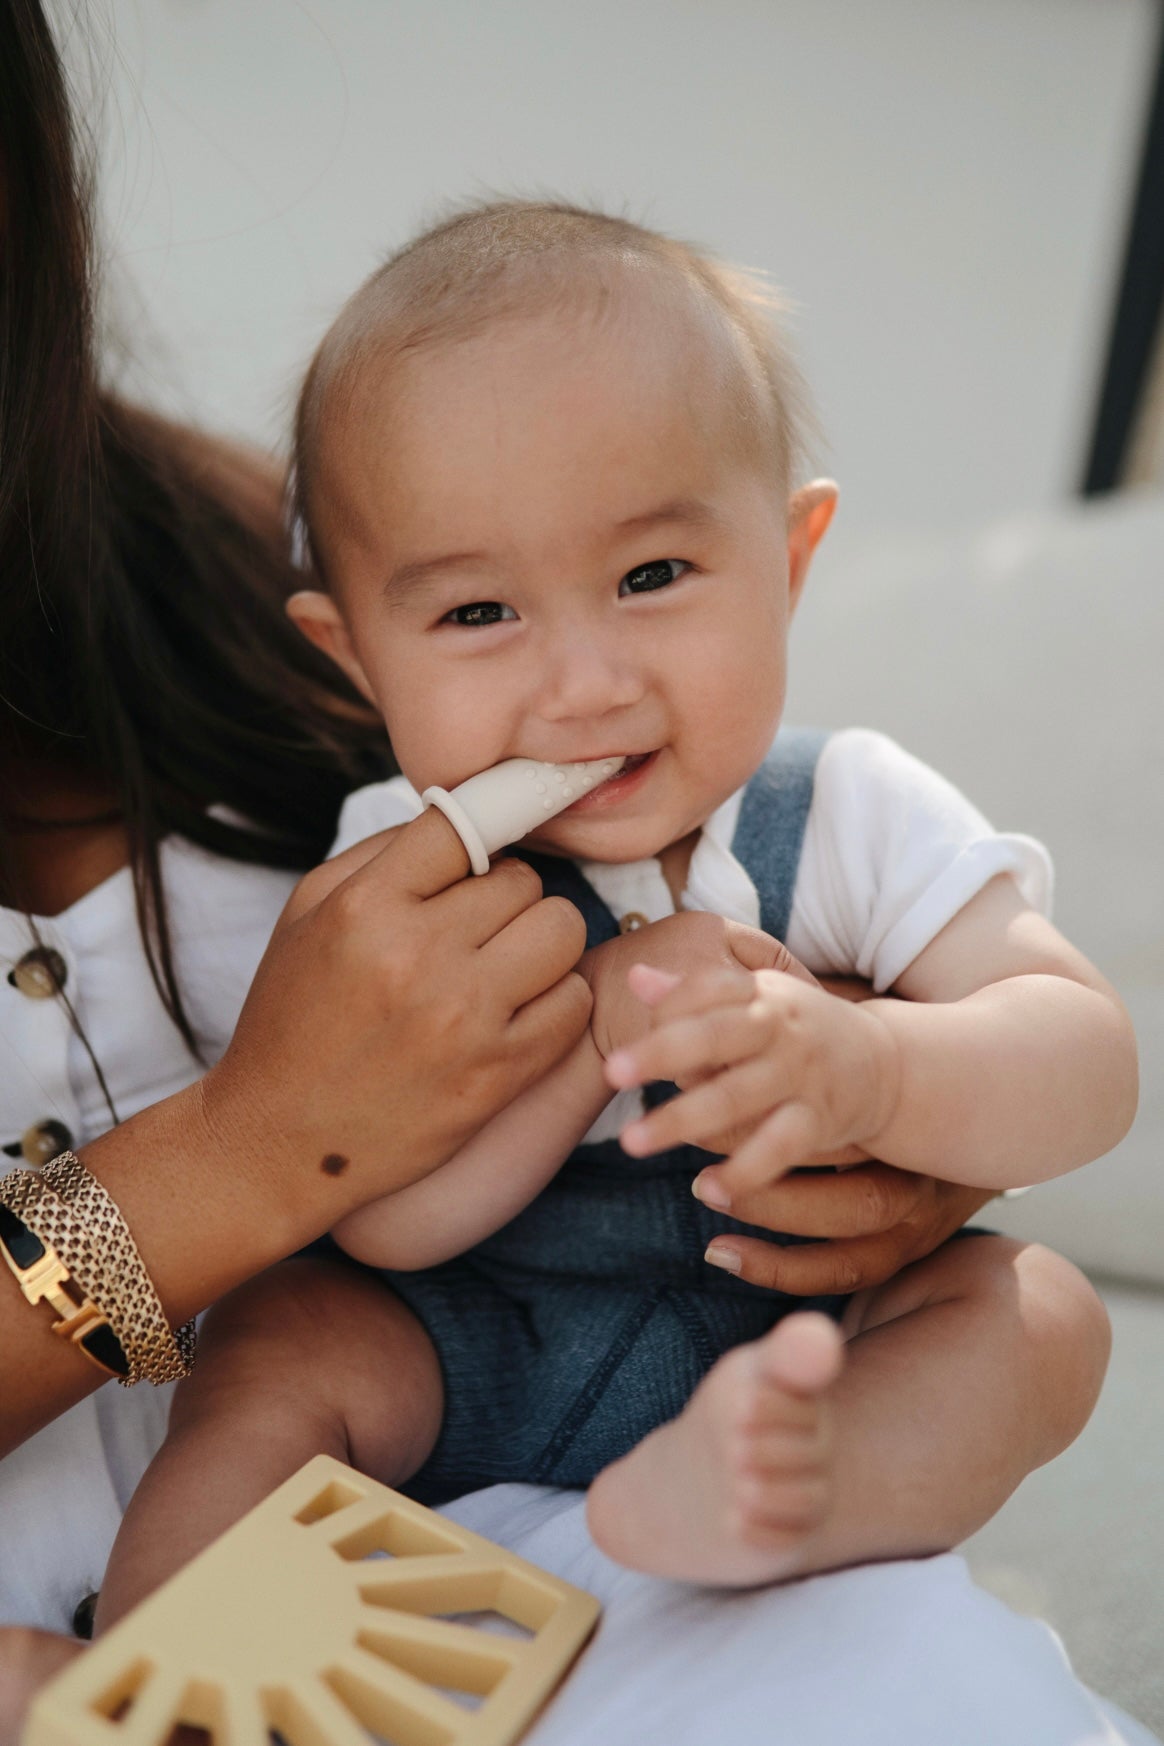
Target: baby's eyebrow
<point>679,511</point>
<point>421,570</point>
<point>689,510</point>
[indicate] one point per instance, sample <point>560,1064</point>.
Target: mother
<point>171,757</point>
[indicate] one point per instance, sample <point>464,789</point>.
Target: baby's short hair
<point>506,258</point>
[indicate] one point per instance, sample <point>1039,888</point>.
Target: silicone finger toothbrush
<point>502,805</point>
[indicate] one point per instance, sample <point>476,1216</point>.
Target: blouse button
<point>44,1141</point>
<point>632,921</point>
<point>40,974</point>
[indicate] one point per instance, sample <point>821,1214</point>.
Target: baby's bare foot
<point>28,1660</point>
<point>735,1489</point>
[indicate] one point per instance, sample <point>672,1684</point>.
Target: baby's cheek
<point>437,734</point>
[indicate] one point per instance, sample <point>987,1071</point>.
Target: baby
<point>544,462</point>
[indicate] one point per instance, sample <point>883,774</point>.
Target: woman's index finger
<point>321,881</point>
<point>419,859</point>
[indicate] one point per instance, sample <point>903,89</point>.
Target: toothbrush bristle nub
<point>502,805</point>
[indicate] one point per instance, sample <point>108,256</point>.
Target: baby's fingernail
<point>650,984</point>
<point>634,1139</point>
<point>620,1068</point>
<point>708,1190</point>
<point>728,1259</point>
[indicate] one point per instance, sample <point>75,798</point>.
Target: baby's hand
<point>798,1070</point>
<point>679,945</point>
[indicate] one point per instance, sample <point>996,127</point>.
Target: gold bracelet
<point>121,1283</point>
<point>69,1210</point>
<point>43,1278</point>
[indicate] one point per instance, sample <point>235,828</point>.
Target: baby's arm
<point>490,1179</point>
<point>1009,1060</point>
<point>503,1167</point>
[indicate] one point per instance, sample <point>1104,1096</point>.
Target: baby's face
<point>550,546</point>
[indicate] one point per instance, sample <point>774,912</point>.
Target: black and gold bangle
<point>43,1278</point>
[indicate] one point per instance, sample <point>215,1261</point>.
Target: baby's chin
<point>590,839</point>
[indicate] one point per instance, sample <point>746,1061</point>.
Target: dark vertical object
<point>1138,308</point>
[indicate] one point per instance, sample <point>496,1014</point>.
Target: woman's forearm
<point>1021,1081</point>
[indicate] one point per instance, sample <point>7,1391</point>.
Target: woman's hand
<point>398,1007</point>
<point>866,1223</point>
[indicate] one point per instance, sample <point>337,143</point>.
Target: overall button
<point>632,921</point>
<point>40,974</point>
<point>44,1141</point>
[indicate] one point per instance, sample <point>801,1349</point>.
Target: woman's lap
<point>900,1654</point>
<point>907,1653</point>
<point>61,1497</point>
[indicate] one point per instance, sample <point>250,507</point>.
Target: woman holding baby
<point>172,758</point>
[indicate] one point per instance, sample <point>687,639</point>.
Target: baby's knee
<point>1066,1314</point>
<point>1050,1310</point>
<point>293,1336</point>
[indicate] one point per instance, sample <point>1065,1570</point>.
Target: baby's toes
<point>802,1356</point>
<point>773,1513</point>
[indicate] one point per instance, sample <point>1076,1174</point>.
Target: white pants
<point>906,1654</point>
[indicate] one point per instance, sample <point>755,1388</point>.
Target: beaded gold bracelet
<point>76,1221</point>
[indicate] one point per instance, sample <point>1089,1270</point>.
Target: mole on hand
<point>334,1164</point>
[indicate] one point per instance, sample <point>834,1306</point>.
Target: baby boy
<point>544,462</point>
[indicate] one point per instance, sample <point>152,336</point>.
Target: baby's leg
<point>312,1357</point>
<point>960,1376</point>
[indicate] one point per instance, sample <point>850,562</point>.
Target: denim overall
<point>589,1319</point>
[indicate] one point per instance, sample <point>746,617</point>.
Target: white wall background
<point>941,185</point>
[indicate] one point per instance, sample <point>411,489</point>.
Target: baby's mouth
<point>621,781</point>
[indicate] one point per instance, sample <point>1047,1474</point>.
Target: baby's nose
<point>589,676</point>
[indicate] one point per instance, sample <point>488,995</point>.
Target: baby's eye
<point>479,612</point>
<point>657,574</point>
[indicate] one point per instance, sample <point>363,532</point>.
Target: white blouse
<point>62,1492</point>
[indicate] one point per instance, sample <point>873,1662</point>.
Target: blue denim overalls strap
<point>589,1319</point>
<point>768,838</point>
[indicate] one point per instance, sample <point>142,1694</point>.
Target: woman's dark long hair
<point>142,632</point>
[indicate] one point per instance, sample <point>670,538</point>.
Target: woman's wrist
<point>201,1197</point>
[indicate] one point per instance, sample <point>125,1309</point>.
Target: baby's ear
<point>809,512</point>
<point>318,617</point>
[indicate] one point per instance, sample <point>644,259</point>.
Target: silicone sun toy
<point>335,1610</point>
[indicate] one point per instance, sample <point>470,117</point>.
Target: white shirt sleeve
<point>374,809</point>
<point>892,852</point>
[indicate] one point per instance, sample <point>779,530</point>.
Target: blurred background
<point>942,188</point>
<point>966,204</point>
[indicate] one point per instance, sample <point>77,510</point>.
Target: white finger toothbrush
<point>502,805</point>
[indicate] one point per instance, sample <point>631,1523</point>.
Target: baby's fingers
<point>790,1136</point>
<point>686,1047</point>
<point>696,1118</point>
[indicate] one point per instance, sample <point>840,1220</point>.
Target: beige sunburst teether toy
<point>335,1610</point>
<point>502,805</point>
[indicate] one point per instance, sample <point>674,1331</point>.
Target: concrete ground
<point>1081,1543</point>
